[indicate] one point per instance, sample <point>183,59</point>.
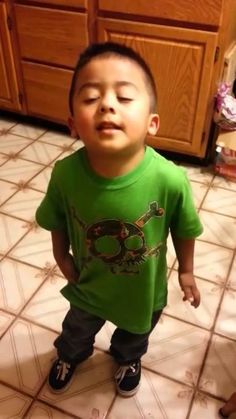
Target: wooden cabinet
<point>50,41</point>
<point>47,90</point>
<point>202,12</point>
<point>9,92</point>
<point>182,61</point>
<point>51,36</point>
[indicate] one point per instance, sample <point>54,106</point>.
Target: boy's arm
<point>65,261</point>
<point>184,249</point>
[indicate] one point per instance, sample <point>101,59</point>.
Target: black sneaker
<point>127,379</point>
<point>60,375</point>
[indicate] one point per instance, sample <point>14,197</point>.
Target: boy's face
<point>111,107</point>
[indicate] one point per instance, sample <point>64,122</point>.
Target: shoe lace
<point>63,369</point>
<point>121,372</point>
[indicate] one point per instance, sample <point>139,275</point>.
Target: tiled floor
<point>190,367</point>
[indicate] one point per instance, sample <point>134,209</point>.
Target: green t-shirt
<point>118,230</point>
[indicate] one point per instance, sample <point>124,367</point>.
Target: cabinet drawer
<point>79,4</point>
<point>206,12</point>
<point>51,36</point>
<point>47,90</point>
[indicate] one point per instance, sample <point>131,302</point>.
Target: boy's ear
<point>154,123</point>
<point>71,126</point>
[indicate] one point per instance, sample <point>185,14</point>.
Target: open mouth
<point>107,126</point>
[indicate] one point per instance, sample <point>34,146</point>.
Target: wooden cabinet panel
<point>182,62</point>
<point>51,36</point>
<point>205,12</point>
<point>80,4</point>
<point>47,90</point>
<point>9,95</point>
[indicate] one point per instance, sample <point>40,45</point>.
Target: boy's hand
<point>69,270</point>
<point>188,285</point>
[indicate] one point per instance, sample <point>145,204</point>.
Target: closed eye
<point>124,99</point>
<point>90,100</point>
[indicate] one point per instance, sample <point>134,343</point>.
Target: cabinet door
<point>51,36</point>
<point>47,90</point>
<point>182,62</point>
<point>9,96</point>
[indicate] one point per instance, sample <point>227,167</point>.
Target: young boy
<point>113,202</point>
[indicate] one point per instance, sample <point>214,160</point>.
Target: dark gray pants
<point>79,329</point>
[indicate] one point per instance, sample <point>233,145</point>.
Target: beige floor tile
<point>12,144</point>
<point>11,230</point>
<point>5,321</point>
<point>19,171</point>
<point>205,314</point>
<point>28,131</point>
<point>69,150</point>
<point>172,343</point>
<point>218,229</point>
<point>21,278</point>
<point>12,403</point>
<point>41,153</point>
<point>78,144</point>
<point>23,204</point>
<point>26,351</point>
<point>171,256</point>
<point>199,191</point>
<point>42,411</point>
<point>232,275</point>
<point>221,201</point>
<point>48,307</point>
<point>221,182</point>
<point>92,389</point>
<point>199,174</point>
<point>35,249</point>
<point>6,124</point>
<point>206,407</point>
<point>7,190</point>
<point>41,181</point>
<point>226,320</point>
<point>56,138</point>
<point>211,261</point>
<point>157,398</point>
<point>219,377</point>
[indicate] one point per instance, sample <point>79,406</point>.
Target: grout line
<point>58,409</point>
<point>212,333</point>
<point>28,138</point>
<point>109,410</point>
<point>16,244</point>
<point>171,316</point>
<point>217,213</point>
<point>14,259</point>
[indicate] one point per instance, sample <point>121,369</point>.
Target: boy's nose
<point>105,108</point>
<point>107,104</point>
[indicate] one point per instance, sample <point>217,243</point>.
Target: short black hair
<point>113,49</point>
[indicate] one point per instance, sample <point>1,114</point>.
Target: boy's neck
<point>110,166</point>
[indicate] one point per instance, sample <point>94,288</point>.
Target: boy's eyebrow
<point>99,84</point>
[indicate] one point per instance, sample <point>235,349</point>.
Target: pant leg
<point>128,347</point>
<point>79,328</point>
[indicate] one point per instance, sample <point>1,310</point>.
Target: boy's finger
<point>187,293</point>
<point>196,296</point>
<point>192,295</point>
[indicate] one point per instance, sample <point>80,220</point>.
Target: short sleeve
<point>185,221</point>
<point>50,215</point>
